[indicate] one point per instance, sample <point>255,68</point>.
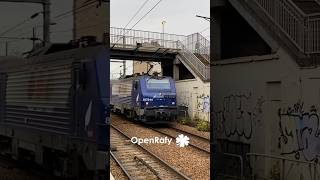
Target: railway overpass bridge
<point>185,58</point>
<point>170,49</point>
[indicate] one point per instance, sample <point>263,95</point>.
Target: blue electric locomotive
<point>150,99</point>
<point>54,109</point>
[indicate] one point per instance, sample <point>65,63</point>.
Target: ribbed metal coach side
<point>39,98</point>
<point>41,106</point>
<point>121,96</point>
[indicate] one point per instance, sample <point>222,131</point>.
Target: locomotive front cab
<point>156,99</point>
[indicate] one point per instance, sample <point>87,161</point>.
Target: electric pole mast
<point>124,68</point>
<point>46,15</point>
<point>203,17</point>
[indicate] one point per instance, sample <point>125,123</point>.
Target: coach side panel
<point>121,94</point>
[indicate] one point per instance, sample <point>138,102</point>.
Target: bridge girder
<point>140,55</point>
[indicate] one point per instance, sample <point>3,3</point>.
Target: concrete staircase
<point>293,24</point>
<point>195,55</point>
<point>308,6</point>
<point>194,64</point>
<point>197,62</point>
<point>204,58</point>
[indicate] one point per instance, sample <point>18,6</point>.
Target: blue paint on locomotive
<point>153,99</point>
<point>160,95</point>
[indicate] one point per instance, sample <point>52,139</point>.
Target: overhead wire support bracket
<point>46,15</point>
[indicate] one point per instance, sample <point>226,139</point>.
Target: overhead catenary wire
<point>70,12</point>
<point>61,16</point>
<point>76,11</point>
<point>204,29</point>
<point>20,24</point>
<point>140,19</point>
<point>140,8</point>
<point>67,13</point>
<point>19,38</point>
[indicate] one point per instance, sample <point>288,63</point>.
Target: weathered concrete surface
<point>194,94</point>
<point>272,105</point>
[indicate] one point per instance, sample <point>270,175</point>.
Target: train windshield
<point>158,84</point>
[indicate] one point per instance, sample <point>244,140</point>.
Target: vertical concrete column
<point>216,32</point>
<point>176,63</point>
<point>194,110</point>
<point>176,72</point>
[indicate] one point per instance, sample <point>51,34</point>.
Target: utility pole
<point>46,15</point>
<point>124,67</point>
<point>46,22</point>
<point>163,22</point>
<point>7,45</point>
<point>33,37</point>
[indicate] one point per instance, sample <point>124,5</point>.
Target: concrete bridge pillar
<point>216,28</point>
<point>176,69</point>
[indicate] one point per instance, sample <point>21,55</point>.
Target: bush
<point>183,120</point>
<point>187,121</point>
<point>203,125</point>
<point>197,122</point>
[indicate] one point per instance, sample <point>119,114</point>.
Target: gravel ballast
<point>116,171</point>
<point>188,160</point>
<point>15,174</point>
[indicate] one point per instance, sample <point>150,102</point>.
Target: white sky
<point>180,17</point>
<point>178,14</point>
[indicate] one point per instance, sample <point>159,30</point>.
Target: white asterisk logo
<point>182,140</point>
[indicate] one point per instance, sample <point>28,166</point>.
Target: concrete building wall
<point>272,105</point>
<point>195,95</point>
<point>91,20</point>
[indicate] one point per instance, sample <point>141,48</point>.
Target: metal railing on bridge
<point>146,38</point>
<point>303,30</point>
<point>195,43</point>
<point>194,62</point>
<point>187,45</point>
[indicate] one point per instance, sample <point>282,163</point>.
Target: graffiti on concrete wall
<point>203,103</point>
<point>299,132</point>
<point>238,115</point>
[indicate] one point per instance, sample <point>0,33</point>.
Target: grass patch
<point>203,125</point>
<point>197,122</point>
<point>187,121</point>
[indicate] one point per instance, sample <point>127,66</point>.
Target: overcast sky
<point>180,17</point>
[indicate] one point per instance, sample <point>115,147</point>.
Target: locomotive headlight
<point>147,103</point>
<point>173,103</point>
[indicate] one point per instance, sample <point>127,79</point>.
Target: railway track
<point>198,142</point>
<point>13,169</point>
<point>191,134</point>
<point>137,162</point>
